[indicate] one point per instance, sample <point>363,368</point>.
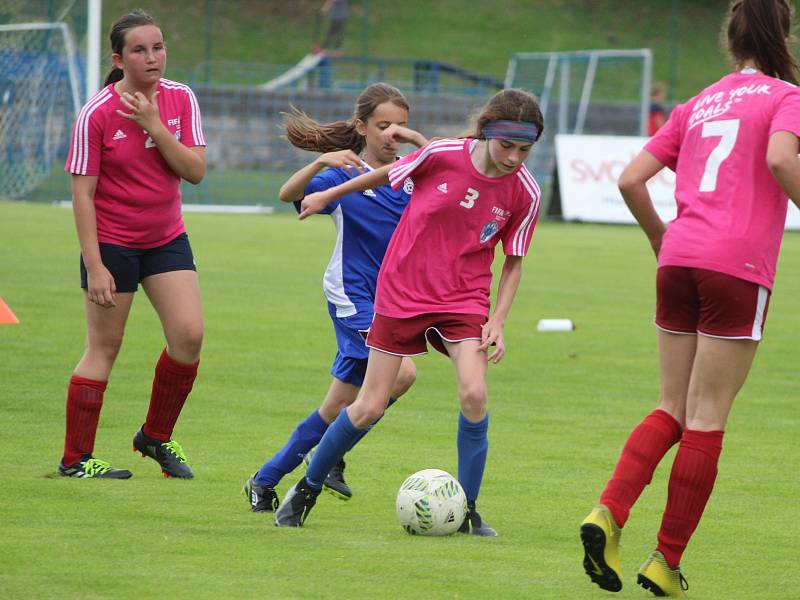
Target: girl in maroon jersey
<point>133,143</point>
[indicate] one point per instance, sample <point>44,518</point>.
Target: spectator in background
<point>658,115</point>
<point>336,10</point>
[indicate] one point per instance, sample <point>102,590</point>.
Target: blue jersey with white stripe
<point>365,222</point>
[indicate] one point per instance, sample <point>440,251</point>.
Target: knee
<point>364,413</point>
<point>186,345</point>
<point>106,347</point>
<point>472,397</point>
<point>405,379</point>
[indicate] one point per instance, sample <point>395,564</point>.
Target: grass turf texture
<point>561,406</point>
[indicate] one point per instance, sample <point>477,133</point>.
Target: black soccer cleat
<point>474,525</point>
<point>169,455</point>
<point>335,484</point>
<point>92,468</point>
<point>262,498</point>
<point>294,509</point>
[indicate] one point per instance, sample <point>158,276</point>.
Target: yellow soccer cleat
<point>657,576</point>
<point>600,538</point>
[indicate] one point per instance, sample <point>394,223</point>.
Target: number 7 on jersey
<point>727,132</point>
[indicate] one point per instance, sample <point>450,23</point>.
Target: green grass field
<point>561,406</point>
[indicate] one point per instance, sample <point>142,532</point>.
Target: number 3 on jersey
<point>727,132</point>
<point>469,199</point>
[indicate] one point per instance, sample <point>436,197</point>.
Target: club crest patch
<point>489,230</point>
<point>408,186</point>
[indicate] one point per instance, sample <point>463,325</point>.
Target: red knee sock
<point>690,483</point>
<point>84,401</point>
<point>646,446</point>
<point>171,385</point>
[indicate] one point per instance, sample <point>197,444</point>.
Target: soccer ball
<point>431,502</point>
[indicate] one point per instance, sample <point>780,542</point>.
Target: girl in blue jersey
<point>369,140</point>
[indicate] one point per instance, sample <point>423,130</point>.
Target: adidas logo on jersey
<point>369,193</point>
<point>442,187</point>
<point>119,135</point>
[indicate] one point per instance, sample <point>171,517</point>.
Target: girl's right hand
<point>101,287</point>
<point>314,203</point>
<point>341,159</point>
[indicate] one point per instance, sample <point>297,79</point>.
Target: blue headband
<point>524,131</point>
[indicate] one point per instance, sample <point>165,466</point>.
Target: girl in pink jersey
<point>435,280</point>
<point>734,150</point>
<point>133,143</point>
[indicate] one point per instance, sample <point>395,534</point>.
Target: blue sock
<point>340,437</point>
<point>307,435</point>
<point>364,432</point>
<point>473,444</point>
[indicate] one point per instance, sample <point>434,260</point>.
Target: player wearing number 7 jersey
<point>734,150</point>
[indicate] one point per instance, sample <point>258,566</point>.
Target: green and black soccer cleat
<point>169,455</point>
<point>92,468</point>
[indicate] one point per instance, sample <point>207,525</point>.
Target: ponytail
<point>307,134</point>
<point>114,75</point>
<point>759,30</point>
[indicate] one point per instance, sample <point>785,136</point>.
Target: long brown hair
<point>759,30</point>
<point>306,133</point>
<point>135,18</point>
<point>512,104</point>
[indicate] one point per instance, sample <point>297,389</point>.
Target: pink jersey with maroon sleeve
<point>731,211</point>
<point>440,256</point>
<point>138,197</point>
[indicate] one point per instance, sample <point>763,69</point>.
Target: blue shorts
<point>350,363</point>
<point>129,266</point>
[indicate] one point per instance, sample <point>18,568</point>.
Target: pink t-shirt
<point>440,256</point>
<point>138,197</point>
<point>731,211</point>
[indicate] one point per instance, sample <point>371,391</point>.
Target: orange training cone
<point>6,316</point>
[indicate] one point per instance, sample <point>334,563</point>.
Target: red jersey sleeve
<point>787,114</point>
<point>519,231</point>
<point>192,134</point>
<point>87,137</point>
<point>420,161</point>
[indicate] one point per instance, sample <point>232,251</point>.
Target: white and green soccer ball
<point>431,502</point>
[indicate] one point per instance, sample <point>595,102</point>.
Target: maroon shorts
<point>407,337</point>
<point>690,300</point>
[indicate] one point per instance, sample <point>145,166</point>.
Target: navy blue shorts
<point>350,363</point>
<point>129,266</point>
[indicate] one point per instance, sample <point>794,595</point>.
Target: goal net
<point>39,100</point>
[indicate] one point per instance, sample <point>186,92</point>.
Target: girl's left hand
<point>143,111</point>
<point>492,333</point>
